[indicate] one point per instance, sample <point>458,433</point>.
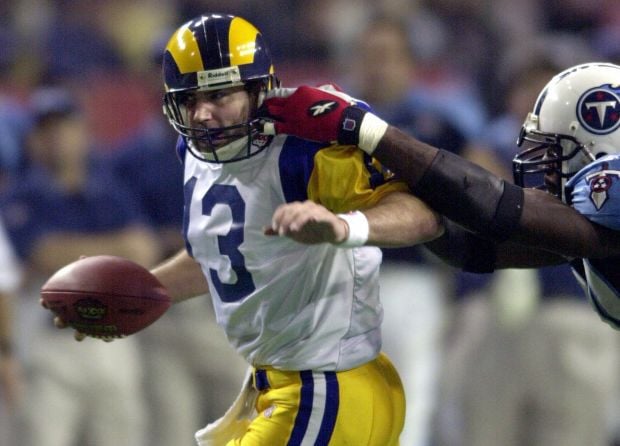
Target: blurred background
<point>87,166</point>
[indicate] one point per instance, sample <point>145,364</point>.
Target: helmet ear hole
<point>255,87</point>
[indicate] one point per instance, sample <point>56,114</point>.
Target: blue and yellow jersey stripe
<point>341,178</point>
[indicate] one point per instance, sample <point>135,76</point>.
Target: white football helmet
<point>576,119</point>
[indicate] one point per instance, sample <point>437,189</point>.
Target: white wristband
<point>372,130</point>
<point>358,229</point>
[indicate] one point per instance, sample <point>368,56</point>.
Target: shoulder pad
<point>594,191</point>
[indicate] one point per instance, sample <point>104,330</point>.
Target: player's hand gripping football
<point>59,323</point>
<point>322,114</point>
<point>104,297</point>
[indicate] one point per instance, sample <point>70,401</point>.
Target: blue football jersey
<point>595,193</point>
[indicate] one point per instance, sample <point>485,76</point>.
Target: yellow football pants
<point>364,406</point>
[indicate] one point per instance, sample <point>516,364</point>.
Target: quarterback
<point>306,316</point>
<point>570,141</point>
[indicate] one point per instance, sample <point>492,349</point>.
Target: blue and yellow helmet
<point>212,52</point>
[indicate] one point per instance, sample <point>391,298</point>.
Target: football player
<point>570,140</point>
<point>306,316</point>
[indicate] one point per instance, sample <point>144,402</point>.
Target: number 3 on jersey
<point>228,243</point>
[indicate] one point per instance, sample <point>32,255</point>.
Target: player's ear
<point>255,91</point>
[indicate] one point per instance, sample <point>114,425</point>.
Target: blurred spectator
<point>14,119</point>
<point>605,37</point>
<point>99,47</point>
<point>130,27</point>
<point>572,16</point>
<point>64,206</point>
<point>466,46</point>
<point>529,363</point>
<point>11,384</point>
<point>383,72</point>
<point>75,44</point>
<point>146,163</point>
<point>13,125</point>
<point>14,122</point>
<point>518,92</point>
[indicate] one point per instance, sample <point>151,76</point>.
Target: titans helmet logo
<point>598,109</point>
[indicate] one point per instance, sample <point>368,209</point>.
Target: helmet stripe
<point>213,42</point>
<point>242,42</point>
<point>184,50</point>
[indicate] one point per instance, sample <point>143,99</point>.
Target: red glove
<point>313,113</point>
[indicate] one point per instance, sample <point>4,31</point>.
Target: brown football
<point>106,296</point>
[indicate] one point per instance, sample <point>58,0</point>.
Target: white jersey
<point>281,303</point>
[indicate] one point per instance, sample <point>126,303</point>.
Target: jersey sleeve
<point>181,149</point>
<point>603,288</point>
<point>594,191</point>
<point>346,179</point>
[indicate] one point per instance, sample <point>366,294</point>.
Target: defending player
<point>573,126</point>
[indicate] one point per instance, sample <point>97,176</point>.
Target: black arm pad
<point>471,196</point>
<point>463,249</point>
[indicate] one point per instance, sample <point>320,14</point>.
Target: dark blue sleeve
<point>181,149</point>
<point>296,166</point>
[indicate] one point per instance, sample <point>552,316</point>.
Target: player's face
<point>217,109</point>
<point>543,163</point>
<point>552,177</point>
